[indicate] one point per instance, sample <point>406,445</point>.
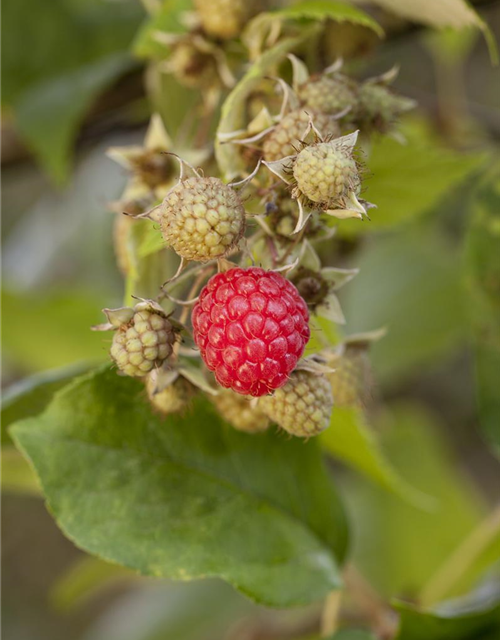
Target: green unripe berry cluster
<point>303,406</point>
<point>237,410</point>
<point>173,398</point>
<point>325,173</point>
<point>285,139</point>
<point>202,218</point>
<point>328,94</point>
<point>144,343</point>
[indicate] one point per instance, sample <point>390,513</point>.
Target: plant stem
<point>382,618</point>
<point>330,613</point>
<point>461,559</point>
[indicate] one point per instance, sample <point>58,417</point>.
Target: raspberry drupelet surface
<point>251,326</point>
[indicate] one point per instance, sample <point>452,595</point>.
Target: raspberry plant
<point>229,360</point>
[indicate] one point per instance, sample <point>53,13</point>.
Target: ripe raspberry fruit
<point>202,218</point>
<point>285,139</point>
<point>237,410</point>
<point>251,327</point>
<point>173,398</point>
<point>328,94</point>
<point>303,406</point>
<point>143,342</point>
<point>326,172</point>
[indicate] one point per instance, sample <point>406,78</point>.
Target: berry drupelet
<point>251,327</point>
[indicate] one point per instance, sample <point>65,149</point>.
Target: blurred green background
<point>430,273</point>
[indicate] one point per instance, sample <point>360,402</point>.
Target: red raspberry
<point>251,327</point>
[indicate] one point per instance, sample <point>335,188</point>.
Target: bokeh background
<point>72,87</point>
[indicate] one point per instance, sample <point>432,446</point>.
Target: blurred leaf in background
<point>351,440</point>
<point>397,546</point>
<point>408,179</point>
<point>63,324</point>
<point>57,59</point>
<point>410,282</point>
<point>457,14</point>
<point>483,284</point>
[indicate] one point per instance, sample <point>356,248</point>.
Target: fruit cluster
<point>250,325</point>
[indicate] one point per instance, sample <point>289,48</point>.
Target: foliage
<point>156,472</point>
<point>50,93</point>
<point>483,281</point>
<point>185,496</point>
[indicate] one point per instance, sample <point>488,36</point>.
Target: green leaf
<point>331,9</point>
<point>31,395</point>
<point>411,283</point>
<point>187,497</point>
<point>472,625</point>
<point>483,285</point>
<point>457,14</point>
<point>166,20</point>
<point>61,334</point>
<point>17,476</point>
<point>408,179</point>
<point>58,57</point>
<point>399,547</point>
<point>350,439</point>
<point>232,114</point>
<point>49,113</point>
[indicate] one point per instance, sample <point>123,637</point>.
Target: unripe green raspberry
<point>328,94</point>
<point>225,18</point>
<point>173,398</point>
<point>325,172</point>
<point>202,218</point>
<point>239,412</point>
<point>351,380</point>
<point>303,406</point>
<point>143,343</point>
<point>285,139</point>
<point>378,107</point>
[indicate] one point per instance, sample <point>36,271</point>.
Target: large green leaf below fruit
<point>30,396</point>
<point>186,497</point>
